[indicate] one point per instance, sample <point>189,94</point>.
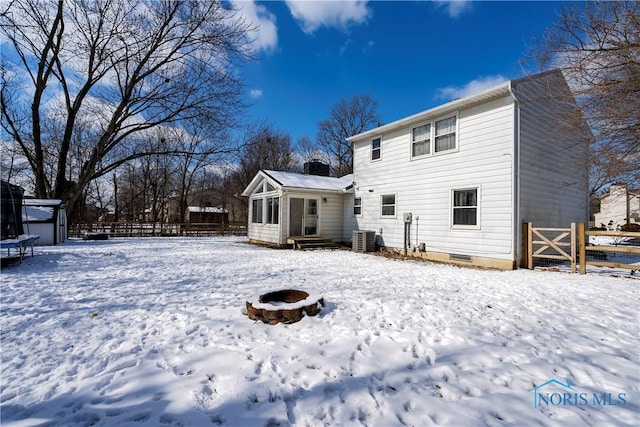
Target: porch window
<point>256,211</point>
<point>376,150</point>
<point>465,207</point>
<point>388,204</point>
<point>357,206</point>
<point>273,210</point>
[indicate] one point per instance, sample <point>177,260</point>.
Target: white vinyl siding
<point>482,159</point>
<point>553,176</point>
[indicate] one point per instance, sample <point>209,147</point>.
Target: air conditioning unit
<point>364,241</point>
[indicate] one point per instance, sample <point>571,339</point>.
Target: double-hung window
<point>421,140</point>
<point>435,137</point>
<point>388,205</point>
<point>357,206</point>
<point>465,208</point>
<point>445,134</point>
<point>256,211</point>
<point>273,210</point>
<point>376,149</point>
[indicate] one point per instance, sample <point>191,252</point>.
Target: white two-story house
<point>455,183</point>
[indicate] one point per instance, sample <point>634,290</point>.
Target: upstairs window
<point>421,140</point>
<point>445,134</point>
<point>376,149</point>
<point>465,208</point>
<point>435,137</point>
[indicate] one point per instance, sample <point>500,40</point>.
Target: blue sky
<point>409,56</point>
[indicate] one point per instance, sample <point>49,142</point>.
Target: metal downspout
<point>517,229</point>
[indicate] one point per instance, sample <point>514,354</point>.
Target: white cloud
<point>312,15</point>
<point>265,34</point>
<point>455,7</point>
<point>255,93</point>
<point>474,86</point>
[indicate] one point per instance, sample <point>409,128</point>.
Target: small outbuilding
<point>208,215</point>
<point>46,218</point>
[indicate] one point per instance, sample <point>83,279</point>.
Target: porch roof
<point>311,182</point>
<point>291,180</point>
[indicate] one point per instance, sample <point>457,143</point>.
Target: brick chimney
<point>316,167</point>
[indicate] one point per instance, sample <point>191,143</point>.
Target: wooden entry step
<point>311,243</point>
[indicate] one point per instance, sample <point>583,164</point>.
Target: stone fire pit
<point>284,306</point>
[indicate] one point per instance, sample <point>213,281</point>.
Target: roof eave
<point>457,104</point>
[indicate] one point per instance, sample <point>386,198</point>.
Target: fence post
<point>583,251</point>
<point>573,247</point>
<point>524,261</point>
<point>530,246</point>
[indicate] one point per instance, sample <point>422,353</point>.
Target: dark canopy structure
<point>11,211</point>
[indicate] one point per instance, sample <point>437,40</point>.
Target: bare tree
<point>310,151</point>
<point>125,67</point>
<point>597,47</point>
<point>263,147</point>
<point>201,148</point>
<point>347,118</point>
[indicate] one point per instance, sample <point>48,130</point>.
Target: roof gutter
<point>456,104</point>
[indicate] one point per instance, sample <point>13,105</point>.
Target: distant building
<point>619,207</point>
<point>46,218</point>
<point>209,215</point>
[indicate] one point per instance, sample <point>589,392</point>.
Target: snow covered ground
<point>151,332</point>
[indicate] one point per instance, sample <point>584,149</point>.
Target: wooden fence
<point>141,229</point>
<point>622,247</point>
<point>573,245</point>
<point>551,243</point>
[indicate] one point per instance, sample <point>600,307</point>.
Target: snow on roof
<point>208,209</point>
<point>313,182</point>
<point>36,213</point>
<point>41,202</point>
